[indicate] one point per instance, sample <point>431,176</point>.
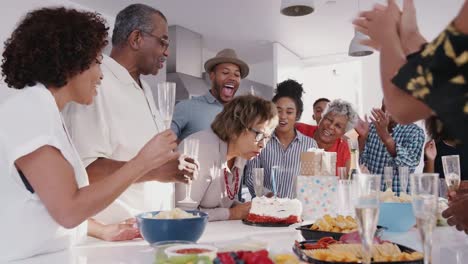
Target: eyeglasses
<point>259,135</point>
<point>162,41</point>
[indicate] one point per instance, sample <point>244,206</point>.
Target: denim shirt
<point>196,114</point>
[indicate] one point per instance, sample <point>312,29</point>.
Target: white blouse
<point>210,190</point>
<point>31,119</point>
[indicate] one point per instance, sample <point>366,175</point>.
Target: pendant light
<point>356,49</point>
<point>297,7</point>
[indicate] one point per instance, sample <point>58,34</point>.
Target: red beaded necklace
<point>230,194</point>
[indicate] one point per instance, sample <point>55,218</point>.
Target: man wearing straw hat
<point>225,70</point>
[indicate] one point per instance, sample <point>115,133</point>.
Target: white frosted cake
<point>275,210</point>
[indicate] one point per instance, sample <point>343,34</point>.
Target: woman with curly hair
<point>286,143</point>
<point>53,57</point>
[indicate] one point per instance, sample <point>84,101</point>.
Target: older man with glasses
<point>124,117</point>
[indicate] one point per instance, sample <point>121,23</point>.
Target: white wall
<point>263,71</point>
<point>287,64</point>
<point>333,81</point>
<point>371,85</point>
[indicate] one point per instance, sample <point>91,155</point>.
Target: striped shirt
<point>409,140</point>
<point>287,159</point>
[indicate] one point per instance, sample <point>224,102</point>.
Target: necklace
<point>230,194</point>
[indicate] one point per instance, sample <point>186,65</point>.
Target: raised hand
<point>381,120</point>
<point>174,171</point>
<point>159,150</point>
<point>380,24</point>
<point>410,37</point>
<point>430,150</point>
<point>362,126</point>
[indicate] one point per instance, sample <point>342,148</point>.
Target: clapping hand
<point>362,127</point>
<point>430,150</point>
<point>381,120</point>
<point>380,24</point>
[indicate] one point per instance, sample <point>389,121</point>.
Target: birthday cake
<point>275,210</point>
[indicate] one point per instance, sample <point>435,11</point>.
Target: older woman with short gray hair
<point>338,118</point>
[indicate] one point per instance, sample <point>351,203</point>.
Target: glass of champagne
<point>191,147</point>
<point>258,181</point>
<point>403,175</point>
<point>366,205</point>
<point>388,178</point>
<point>166,101</point>
<point>451,166</point>
<point>424,189</point>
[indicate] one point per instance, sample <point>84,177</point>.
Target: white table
<point>449,245</point>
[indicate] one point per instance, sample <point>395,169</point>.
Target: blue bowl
<point>160,230</point>
<point>396,217</point>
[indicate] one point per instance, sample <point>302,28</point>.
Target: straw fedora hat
<point>227,56</point>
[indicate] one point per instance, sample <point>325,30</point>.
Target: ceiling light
<point>297,7</point>
<point>356,49</point>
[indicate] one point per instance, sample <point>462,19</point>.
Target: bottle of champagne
<point>354,166</point>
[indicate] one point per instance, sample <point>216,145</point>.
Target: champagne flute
<point>451,166</point>
<point>424,189</point>
<point>258,181</point>
<point>367,210</point>
<point>342,173</point>
<point>191,147</point>
<point>345,197</point>
<point>166,102</point>
<point>403,175</point>
<point>388,178</point>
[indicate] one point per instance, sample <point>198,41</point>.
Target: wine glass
<point>451,166</point>
<point>191,147</point>
<point>342,173</point>
<point>388,178</point>
<point>166,101</point>
<point>366,206</point>
<point>424,189</point>
<point>345,194</point>
<point>258,181</point>
<point>403,175</point>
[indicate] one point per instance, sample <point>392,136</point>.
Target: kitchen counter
<point>449,246</point>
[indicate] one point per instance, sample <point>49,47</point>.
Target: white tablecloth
<point>450,246</point>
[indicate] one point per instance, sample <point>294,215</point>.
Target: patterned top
<point>196,114</point>
<point>437,75</point>
<point>409,140</point>
<point>287,159</point>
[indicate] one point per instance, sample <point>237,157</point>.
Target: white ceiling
<point>247,24</point>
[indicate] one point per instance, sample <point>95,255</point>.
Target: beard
<point>216,91</point>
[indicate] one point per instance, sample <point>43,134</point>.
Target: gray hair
<point>344,108</point>
<point>133,17</point>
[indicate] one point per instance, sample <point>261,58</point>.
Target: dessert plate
<point>269,224</point>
